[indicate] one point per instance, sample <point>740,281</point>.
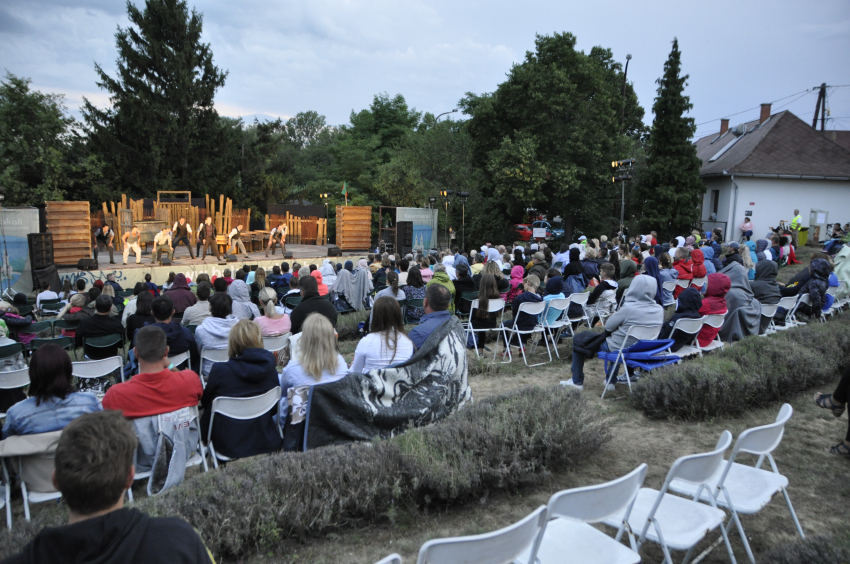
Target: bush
<point>754,372</point>
<point>504,443</point>
<point>819,549</point>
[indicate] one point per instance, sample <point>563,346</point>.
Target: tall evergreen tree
<point>670,186</point>
<point>162,131</point>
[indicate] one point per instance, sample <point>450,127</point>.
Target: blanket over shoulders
<point>429,386</point>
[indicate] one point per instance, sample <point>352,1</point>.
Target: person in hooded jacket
<point>93,477</point>
<point>718,252</point>
<point>687,307</point>
<point>708,255</point>
<point>744,311</point>
<point>243,307</point>
<point>311,302</point>
<point>766,289</point>
<point>685,268</point>
<point>816,287</point>
<point>698,259</point>
<point>214,331</point>
<point>628,271</point>
<point>517,274</point>
<point>713,303</point>
<point>639,308</point>
<point>249,372</point>
<point>463,283</point>
<point>180,294</point>
<point>320,282</point>
<point>761,250</point>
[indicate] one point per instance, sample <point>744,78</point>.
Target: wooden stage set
<point>128,274</point>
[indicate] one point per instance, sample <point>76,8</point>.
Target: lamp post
<point>623,114</point>
<point>463,197</point>
<point>446,194</point>
<point>444,113</point>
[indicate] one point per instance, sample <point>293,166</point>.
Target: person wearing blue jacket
<point>180,339</point>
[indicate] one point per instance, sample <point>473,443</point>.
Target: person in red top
<point>714,302</point>
<point>698,264</point>
<point>157,388</point>
<point>684,266</point>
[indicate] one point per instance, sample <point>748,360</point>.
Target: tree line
<point>541,143</point>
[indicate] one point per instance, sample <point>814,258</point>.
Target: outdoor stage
<point>128,274</point>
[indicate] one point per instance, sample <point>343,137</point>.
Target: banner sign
<point>424,226</point>
<point>14,250</point>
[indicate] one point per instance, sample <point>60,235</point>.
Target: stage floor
<point>128,274</point>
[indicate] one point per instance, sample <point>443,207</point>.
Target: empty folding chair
<point>498,547</point>
<point>674,522</point>
<point>768,311</point>
<point>690,327</point>
<point>747,489</point>
<point>92,372</point>
<point>714,320</point>
<point>639,333</point>
<point>553,329</point>
<point>241,409</point>
<point>31,456</point>
<point>530,308</point>
<point>493,305</point>
<point>569,530</point>
<point>14,380</point>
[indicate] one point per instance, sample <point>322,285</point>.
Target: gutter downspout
<point>734,204</point>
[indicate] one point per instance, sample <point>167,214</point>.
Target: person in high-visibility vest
<point>796,223</point>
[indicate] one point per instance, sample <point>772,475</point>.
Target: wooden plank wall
<point>353,227</point>
<point>70,224</point>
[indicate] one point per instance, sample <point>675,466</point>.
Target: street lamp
<point>444,113</point>
<point>623,115</point>
<point>446,194</point>
<point>463,197</point>
<point>325,197</point>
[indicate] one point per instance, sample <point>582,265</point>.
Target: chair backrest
<point>493,304</point>
<point>593,504</point>
<point>788,302</point>
<point>497,547</point>
<point>683,283</point>
<point>63,342</point>
<point>670,285</point>
<point>103,341</point>
<point>97,368</point>
<point>291,301</point>
<point>804,299</point>
<point>715,320</point>
<point>51,307</point>
<point>391,559</point>
<point>179,359</point>
<point>699,281</point>
<point>293,346</point>
<point>642,332</point>
<point>764,439</point>
<point>36,327</point>
<point>244,408</point>
<point>531,308</point>
<point>192,328</point>
<point>10,350</point>
<point>14,379</point>
<point>832,290</point>
<point>214,355</point>
<point>689,326</point>
<point>275,343</point>
<point>699,468</point>
<point>579,298</point>
<point>769,310</point>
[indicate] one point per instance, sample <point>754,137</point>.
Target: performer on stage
<point>208,233</point>
<point>131,241</point>
<point>181,233</point>
<point>277,236</point>
<point>162,242</point>
<point>103,242</point>
<point>234,240</point>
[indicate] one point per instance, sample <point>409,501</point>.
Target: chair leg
<point>793,514</point>
<point>7,492</point>
<point>26,500</point>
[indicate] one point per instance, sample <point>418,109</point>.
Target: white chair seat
<point>38,497</point>
<point>582,542</point>
<point>687,350</point>
<point>713,345</point>
<point>684,522</point>
<point>749,488</point>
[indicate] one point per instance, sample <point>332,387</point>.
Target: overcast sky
<point>333,56</point>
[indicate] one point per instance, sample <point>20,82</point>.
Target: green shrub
<point>756,371</point>
<point>818,549</point>
<point>257,504</point>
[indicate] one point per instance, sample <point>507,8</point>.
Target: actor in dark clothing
<point>311,302</point>
<point>98,325</point>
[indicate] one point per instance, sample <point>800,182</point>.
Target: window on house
<point>715,201</point>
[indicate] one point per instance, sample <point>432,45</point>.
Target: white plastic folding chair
<point>493,305</point>
<point>554,328</point>
<point>391,559</point>
<point>275,343</point>
<point>690,327</point>
<point>179,359</point>
<point>788,303</point>
<point>293,345</point>
<point>94,369</point>
<point>714,320</point>
<point>699,282</point>
<point>498,547</point>
<point>834,308</point>
<point>579,298</point>
<point>33,467</point>
<point>670,286</point>
<point>747,489</point>
<point>14,380</point>
<point>212,355</point>
<point>529,308</point>
<point>569,530</point>
<point>674,522</point>
<point>684,284</point>
<point>242,409</point>
<point>768,311</point>
<point>634,334</point>
<point>792,313</point>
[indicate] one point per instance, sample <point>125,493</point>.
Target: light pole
<point>444,113</point>
<point>463,197</point>
<point>446,194</point>
<point>622,167</point>
<point>623,114</point>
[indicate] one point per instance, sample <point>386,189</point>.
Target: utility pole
<point>623,167</point>
<point>820,107</point>
<point>623,114</point>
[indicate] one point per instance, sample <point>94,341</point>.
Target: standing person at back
<point>796,224</point>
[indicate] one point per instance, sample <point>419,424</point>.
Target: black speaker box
<point>164,261</point>
<point>404,237</point>
<point>87,264</point>
<point>287,255</point>
<point>334,252</point>
<point>50,275</point>
<point>40,249</point>
<point>231,258</point>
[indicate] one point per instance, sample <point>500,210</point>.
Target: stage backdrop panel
<point>70,224</point>
<point>17,271</point>
<point>424,226</point>
<point>353,227</point>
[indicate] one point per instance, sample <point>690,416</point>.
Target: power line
<point>807,90</point>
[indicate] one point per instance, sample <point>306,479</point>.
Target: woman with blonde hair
<point>317,360</point>
<point>503,284</point>
<point>272,322</point>
<point>249,372</point>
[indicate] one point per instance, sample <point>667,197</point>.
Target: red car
<point>523,232</point>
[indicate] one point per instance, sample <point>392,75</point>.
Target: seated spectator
<point>713,303</point>
<point>554,290</point>
<point>94,469</point>
<point>260,280</point>
<point>442,277</point>
<point>708,255</point>
<point>111,281</point>
<point>525,321</point>
<point>99,325</point>
<point>45,294</point>
<point>403,266</point>
<point>52,401</point>
<point>837,403</point>
<point>142,317</point>
<point>170,282</point>
<point>392,290</point>
<point>80,286</point>
<point>272,322</point>
<point>517,275</point>
<point>482,318</point>
<point>67,292</point>
<point>178,338</point>
<point>603,298</point>
<point>463,283</point>
<point>214,331</point>
<point>815,287</point>
<point>151,287</point>
<point>226,276</point>
<point>328,273</point>
<point>698,269</point>
<point>249,372</point>
<point>743,315</point>
<point>685,268</point>
<point>293,290</point>
<point>317,360</point>
<point>130,303</point>
<point>180,294</point>
<point>220,285</point>
<point>195,315</point>
<point>243,308</point>
<point>414,290</point>
<point>425,270</point>
<point>437,301</point>
<point>386,344</point>
<point>73,312</point>
<point>275,279</point>
<point>639,308</point>
<point>766,289</point>
<point>628,270</point>
<point>156,389</point>
<point>116,301</point>
<point>687,307</point>
<point>320,284</point>
<point>311,302</point>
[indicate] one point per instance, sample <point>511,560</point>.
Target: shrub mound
<point>756,371</point>
<point>498,444</point>
<point>818,549</point>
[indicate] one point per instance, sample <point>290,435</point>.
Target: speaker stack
<point>334,252</point>
<point>41,260</point>
<point>404,237</point>
<point>287,255</point>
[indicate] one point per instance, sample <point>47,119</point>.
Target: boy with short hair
<point>604,296</point>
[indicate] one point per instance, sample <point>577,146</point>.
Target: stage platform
<point>128,274</point>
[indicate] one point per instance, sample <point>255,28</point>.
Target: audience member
<point>180,294</point>
<point>743,316</point>
<point>684,266</point>
<point>628,270</point>
<point>130,303</point>
<point>220,285</point>
<point>687,307</point>
<point>437,301</point>
<point>320,283</point>
<point>293,290</point>
<point>243,308</point>
<point>386,344</point>
<point>311,302</point>
<point>179,338</point>
<point>195,315</point>
<point>525,321</point>
<point>143,316</point>
<point>45,294</point>
<point>837,403</point>
<point>272,322</point>
<point>214,331</point>
<point>414,290</point>
<point>603,298</point>
<point>100,325</point>
<point>73,312</point>
<point>714,303</point>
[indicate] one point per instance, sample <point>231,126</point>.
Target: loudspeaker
<point>231,258</point>
<point>40,249</point>
<point>334,252</point>
<point>49,274</point>
<point>87,264</point>
<point>287,255</point>
<point>254,267</point>
<point>404,237</point>
<point>164,261</point>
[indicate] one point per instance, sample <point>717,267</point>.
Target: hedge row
<point>499,444</point>
<point>821,549</point>
<point>756,371</point>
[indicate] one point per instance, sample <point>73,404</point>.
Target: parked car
<point>523,232</point>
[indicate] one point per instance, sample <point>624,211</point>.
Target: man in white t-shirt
<point>46,294</point>
<point>162,242</point>
<point>234,241</point>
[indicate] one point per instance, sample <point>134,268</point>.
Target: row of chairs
<point>689,505</point>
